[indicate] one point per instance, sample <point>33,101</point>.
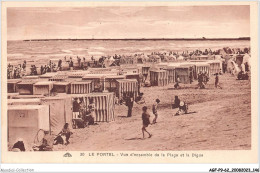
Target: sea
<point>41,51</point>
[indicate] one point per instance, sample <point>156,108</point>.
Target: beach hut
<point>97,80</point>
<point>76,74</point>
<point>58,78</point>
<point>101,71</point>
<point>215,66</point>
<point>81,87</point>
<point>30,78</point>
<point>161,65</point>
<point>32,101</point>
<point>26,122</point>
<point>130,68</point>
<point>203,67</point>
<point>61,87</point>
<point>203,57</point>
<point>145,72</point>
<point>158,77</point>
<point>47,76</point>
<point>133,76</point>
<point>60,109</point>
<point>126,86</point>
<point>42,88</point>
<point>183,72</point>
<point>11,85</point>
<point>171,73</point>
<point>25,87</point>
<point>104,105</point>
<point>110,82</point>
<point>138,77</point>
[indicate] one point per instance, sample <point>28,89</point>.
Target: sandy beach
<point>222,121</point>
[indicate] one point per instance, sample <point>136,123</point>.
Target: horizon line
<point>74,39</point>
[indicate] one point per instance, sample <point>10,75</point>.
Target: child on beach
<point>146,121</point>
<point>155,106</point>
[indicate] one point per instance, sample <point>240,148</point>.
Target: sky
<point>128,22</point>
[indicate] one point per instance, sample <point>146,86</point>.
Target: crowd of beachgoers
<point>83,63</point>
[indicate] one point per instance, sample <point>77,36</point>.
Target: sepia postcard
<point>129,82</point>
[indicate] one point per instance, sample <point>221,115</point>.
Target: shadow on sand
<point>121,116</point>
<point>134,139</point>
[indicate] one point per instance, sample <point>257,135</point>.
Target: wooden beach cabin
<point>26,121</point>
<point>184,73</point>
<point>99,70</point>
<point>35,78</point>
<point>58,78</point>
<point>42,88</point>
<point>126,86</point>
<point>11,85</point>
<point>25,87</point>
<point>61,87</point>
<point>60,112</point>
<point>162,65</point>
<point>136,76</point>
<point>158,77</point>
<point>48,75</point>
<point>202,57</point>
<point>77,73</point>
<point>104,105</point>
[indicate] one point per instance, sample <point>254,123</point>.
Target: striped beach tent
<point>158,77</point>
<point>215,66</point>
<point>81,87</point>
<point>126,86</point>
<point>203,67</point>
<point>104,105</point>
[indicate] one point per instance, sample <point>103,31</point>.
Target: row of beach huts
<point>45,102</point>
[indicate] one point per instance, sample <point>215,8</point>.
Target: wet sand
<point>222,121</point>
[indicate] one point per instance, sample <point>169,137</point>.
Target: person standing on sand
<point>217,81</point>
<point>176,102</point>
<point>191,75</point>
<point>176,86</point>
<point>146,121</point>
<point>155,106</point>
<point>129,104</point>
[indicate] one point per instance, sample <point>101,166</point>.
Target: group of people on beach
<point>15,72</point>
<point>20,70</point>
<point>47,142</point>
<point>182,107</point>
